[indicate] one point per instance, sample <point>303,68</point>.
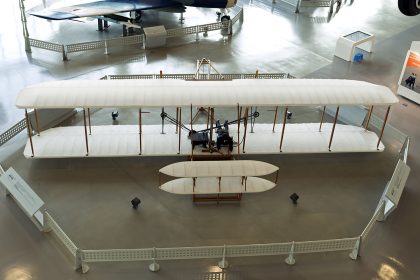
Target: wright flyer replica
<point>172,135</point>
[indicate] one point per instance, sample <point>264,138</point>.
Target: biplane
<point>168,138</point>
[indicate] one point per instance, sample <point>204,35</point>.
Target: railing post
<point>83,264</point>
<point>24,26</point>
<point>196,33</point>
<point>154,266</point>
<point>46,226</point>
<point>106,47</point>
<point>78,260</point>
<point>223,263</point>
<point>383,127</point>
<point>381,216</point>
<point>331,8</point>
<point>290,260</point>
<point>64,51</point>
<point>6,192</point>
<point>298,6</point>
<point>356,249</point>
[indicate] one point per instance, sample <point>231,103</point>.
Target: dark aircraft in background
<point>109,8</point>
<point>409,7</point>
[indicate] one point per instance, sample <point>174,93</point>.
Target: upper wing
<point>103,7</point>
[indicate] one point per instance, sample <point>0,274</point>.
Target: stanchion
<point>356,249</point>
<point>154,266</point>
<point>290,260</point>
<point>223,263</point>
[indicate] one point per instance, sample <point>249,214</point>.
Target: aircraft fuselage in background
<point>108,7</point>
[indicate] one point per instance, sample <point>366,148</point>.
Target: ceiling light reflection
<point>214,268</point>
<point>18,273</point>
<point>387,272</point>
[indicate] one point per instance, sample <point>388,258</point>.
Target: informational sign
<point>21,192</point>
<point>409,83</point>
<point>397,183</point>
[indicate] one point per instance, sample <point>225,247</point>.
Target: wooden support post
<point>368,117</point>
<point>37,122</point>
<point>140,130</point>
<point>246,178</point>
<point>161,74</point>
<point>322,118</point>
<point>239,126</point>
<point>284,126</point>
<point>86,137</point>
<point>208,118</point>
<point>194,179</point>
<point>28,126</point>
<point>191,125</point>
<point>275,118</point>
<point>333,129</point>
<point>177,116</point>
<point>245,128</point>
<point>90,129</point>
<point>277,176</point>
<point>252,120</point>
<point>179,132</point>
<point>383,127</point>
<point>163,119</point>
<point>211,129</point>
<point>220,181</point>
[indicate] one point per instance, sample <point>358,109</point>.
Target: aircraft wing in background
<point>104,7</point>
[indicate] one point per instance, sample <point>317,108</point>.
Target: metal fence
<point>12,132</point>
<point>377,216</point>
<point>133,40</point>
<point>51,225</point>
<point>201,76</point>
<point>216,252</point>
<point>316,4</point>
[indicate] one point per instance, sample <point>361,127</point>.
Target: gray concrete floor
<point>90,197</point>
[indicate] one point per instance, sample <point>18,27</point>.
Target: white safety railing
<point>404,150</point>
<point>377,216</point>
<point>317,4</point>
<point>51,225</point>
<point>201,76</point>
<point>114,42</point>
<point>258,250</point>
<point>239,16</point>
<point>85,46</point>
<point>116,255</point>
<point>12,132</point>
<point>134,40</point>
<point>46,45</point>
<point>325,245</point>
<point>215,252</point>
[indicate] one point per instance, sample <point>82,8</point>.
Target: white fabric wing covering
<point>177,93</point>
<point>227,168</point>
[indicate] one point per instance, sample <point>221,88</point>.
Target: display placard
<point>409,82</point>
<point>21,192</point>
<point>397,182</point>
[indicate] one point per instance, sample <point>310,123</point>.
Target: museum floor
<point>90,197</point>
